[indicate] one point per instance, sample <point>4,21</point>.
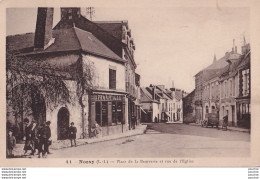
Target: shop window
<point>207,109</point>
<point>102,113</point>
<point>112,79</point>
<point>98,113</point>
<point>117,113</point>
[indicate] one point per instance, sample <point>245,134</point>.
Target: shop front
<point>243,112</point>
<point>108,111</point>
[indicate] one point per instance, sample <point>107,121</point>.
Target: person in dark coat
<point>72,134</point>
<point>34,141</point>
<point>28,136</point>
<point>11,142</point>
<point>40,139</point>
<point>46,134</point>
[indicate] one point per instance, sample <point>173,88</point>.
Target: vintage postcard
<point>130,84</point>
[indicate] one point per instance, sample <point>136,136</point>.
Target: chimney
<point>70,13</point>
<point>43,32</point>
<point>153,92</point>
<point>235,49</point>
<point>215,59</point>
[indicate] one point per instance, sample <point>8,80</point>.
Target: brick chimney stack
<point>43,32</point>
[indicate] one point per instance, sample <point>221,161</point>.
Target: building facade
<point>89,63</point>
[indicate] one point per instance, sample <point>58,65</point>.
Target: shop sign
<point>106,97</point>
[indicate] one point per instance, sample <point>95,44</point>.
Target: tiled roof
<point>146,96</point>
<point>163,93</point>
<point>114,28</point>
<point>104,36</point>
<point>178,94</point>
<point>222,62</point>
<point>65,40</point>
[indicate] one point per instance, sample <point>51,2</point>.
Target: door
<point>63,123</point>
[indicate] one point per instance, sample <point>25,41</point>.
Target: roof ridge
<point>73,29</point>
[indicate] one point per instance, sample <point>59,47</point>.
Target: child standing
<point>11,142</point>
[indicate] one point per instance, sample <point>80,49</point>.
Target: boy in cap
<point>72,134</point>
<point>11,142</point>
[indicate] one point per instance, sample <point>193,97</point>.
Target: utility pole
<point>90,12</point>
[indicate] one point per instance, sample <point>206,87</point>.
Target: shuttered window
<point>112,79</point>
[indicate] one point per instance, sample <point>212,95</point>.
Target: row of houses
<point>224,88</point>
<point>159,104</point>
<point>93,61</point>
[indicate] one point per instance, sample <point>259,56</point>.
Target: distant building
<point>150,106</point>
<point>189,108</point>
<point>165,104</point>
<point>224,88</point>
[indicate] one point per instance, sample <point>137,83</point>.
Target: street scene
<point>163,140</point>
<point>93,82</point>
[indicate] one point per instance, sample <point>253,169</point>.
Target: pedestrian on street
<point>40,139</point>
<point>28,136</point>
<point>11,142</point>
<point>34,141</point>
<point>46,135</point>
<point>72,134</point>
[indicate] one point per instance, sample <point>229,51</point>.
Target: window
<point>112,79</point>
<point>102,113</point>
<point>117,113</point>
<point>231,87</point>
<point>245,82</point>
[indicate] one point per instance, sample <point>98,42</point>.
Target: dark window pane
<point>104,114</point>
<point>119,112</point>
<point>112,79</point>
<point>98,113</point>
<point>114,113</point>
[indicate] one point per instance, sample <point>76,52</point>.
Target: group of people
<point>37,137</point>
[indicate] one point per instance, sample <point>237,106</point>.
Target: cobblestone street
<point>177,140</point>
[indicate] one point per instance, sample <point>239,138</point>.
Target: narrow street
<point>177,140</point>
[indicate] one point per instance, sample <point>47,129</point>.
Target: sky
<point>172,43</point>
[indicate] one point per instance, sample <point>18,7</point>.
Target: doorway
<point>63,123</point>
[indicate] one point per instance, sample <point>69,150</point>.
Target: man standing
<point>40,139</point>
<point>46,134</point>
<point>28,136</point>
<point>72,134</point>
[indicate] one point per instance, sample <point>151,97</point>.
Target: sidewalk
<point>238,129</point>
<point>59,144</point>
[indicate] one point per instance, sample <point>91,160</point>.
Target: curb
<point>141,132</point>
<point>229,129</point>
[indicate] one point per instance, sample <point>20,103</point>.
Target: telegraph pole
<point>91,12</point>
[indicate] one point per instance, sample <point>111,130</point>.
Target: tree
<point>31,81</point>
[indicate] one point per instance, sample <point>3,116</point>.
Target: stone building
<point>76,51</point>
<point>189,108</point>
<point>244,83</point>
<point>162,105</point>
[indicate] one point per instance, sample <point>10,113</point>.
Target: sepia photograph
<point>93,82</point>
